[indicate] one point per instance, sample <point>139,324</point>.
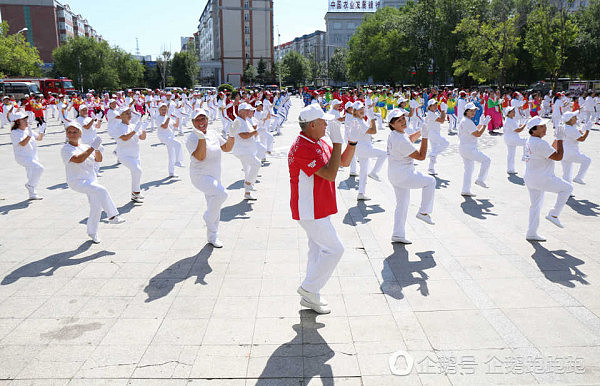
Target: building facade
<point>49,23</point>
<point>310,45</point>
<point>231,34</point>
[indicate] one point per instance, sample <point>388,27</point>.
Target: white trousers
<point>34,170</point>
<point>324,252</point>
<point>266,139</point>
<point>536,188</point>
<point>511,152</point>
<point>215,196</point>
<point>99,200</point>
<point>567,165</point>
<point>135,167</point>
<point>251,165</point>
<point>175,152</point>
<point>403,182</point>
<point>470,156</point>
<point>364,157</point>
<point>51,109</point>
<point>438,145</point>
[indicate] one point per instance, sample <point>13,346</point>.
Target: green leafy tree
<point>250,74</point>
<point>184,68</point>
<point>338,69</point>
<point>550,33</point>
<point>585,51</point>
<point>261,68</point>
<point>17,56</point>
<point>163,62</point>
<point>295,68</point>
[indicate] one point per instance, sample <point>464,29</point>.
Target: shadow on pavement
<point>58,186</point>
<point>558,266</point>
<point>348,184</point>
<point>163,283</point>
<point>441,183</point>
<point>516,179</point>
<point>239,184</point>
<point>365,210</point>
<point>48,265</point>
<point>109,167</point>
<point>584,207</point>
<point>236,212</point>
<point>301,359</point>
<point>477,208</point>
<point>156,183</point>
<point>5,209</point>
<point>398,272</point>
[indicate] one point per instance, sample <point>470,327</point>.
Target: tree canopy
<point>17,56</point>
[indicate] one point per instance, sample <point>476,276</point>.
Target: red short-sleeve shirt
<point>312,197</point>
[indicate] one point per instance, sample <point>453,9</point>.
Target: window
<point>247,43</point>
<point>246,29</point>
<point>246,4</point>
<point>337,25</point>
<point>247,55</point>
<point>246,16</point>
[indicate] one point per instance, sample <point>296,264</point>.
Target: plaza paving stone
<point>469,302</point>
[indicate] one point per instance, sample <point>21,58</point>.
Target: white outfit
<point>26,156</point>
<point>470,154</point>
<point>348,123</point>
<point>81,177</point>
<point>174,147</point>
<point>128,153</point>
<point>539,178</point>
<point>403,177</point>
<point>573,155</point>
<point>245,150</point>
<point>512,140</point>
<point>206,177</point>
<point>265,138</point>
<point>364,152</point>
<point>437,143</point>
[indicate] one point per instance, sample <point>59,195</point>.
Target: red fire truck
<point>48,86</point>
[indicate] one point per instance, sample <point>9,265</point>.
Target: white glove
<point>335,133</point>
<point>100,149</point>
<point>444,106</point>
<point>559,133</point>
<point>485,120</point>
<point>96,143</point>
<point>145,125</point>
<point>425,132</point>
<point>369,114</point>
<point>199,134</point>
<point>43,129</point>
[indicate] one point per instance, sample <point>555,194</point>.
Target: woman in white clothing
<point>402,175</point>
<point>264,136</point>
<point>205,170</point>
<point>362,133</point>
<point>81,177</point>
<point>512,138</point>
<point>539,175</point>
<point>244,148</point>
<point>557,110</point>
<point>348,124</point>
<point>573,136</point>
<point>167,137</point>
<point>433,122</point>
<point>24,140</point>
<point>468,134</point>
<point>128,150</point>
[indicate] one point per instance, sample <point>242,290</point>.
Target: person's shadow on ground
<point>163,283</point>
<point>558,266</point>
<point>477,208</point>
<point>237,211</point>
<point>398,272</point>
<point>584,207</point>
<point>284,364</point>
<point>48,265</point>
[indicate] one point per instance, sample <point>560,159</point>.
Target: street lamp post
<point>279,55</point>
<point>22,30</point>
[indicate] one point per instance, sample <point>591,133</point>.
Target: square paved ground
<point>469,302</point>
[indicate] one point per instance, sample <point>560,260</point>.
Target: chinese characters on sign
<point>353,5</point>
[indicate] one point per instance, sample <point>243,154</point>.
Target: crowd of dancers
<point>330,119</point>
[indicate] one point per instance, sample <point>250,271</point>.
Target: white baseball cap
<point>470,106</point>
<point>313,112</point>
<point>431,102</point>
<point>245,106</point>
<point>335,102</point>
<point>510,108</point>
<point>18,115</point>
<point>566,117</point>
<point>198,113</point>
<point>348,105</point>
<point>536,121</point>
<point>396,113</point>
<point>357,105</point>
<point>74,124</point>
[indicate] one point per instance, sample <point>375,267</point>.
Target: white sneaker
<point>401,240</point>
<point>95,238</point>
<point>426,218</point>
<point>249,196</point>
<point>179,165</point>
<point>578,180</point>
<point>362,197</point>
<point>481,183</point>
<point>216,243</point>
<point>432,172</point>
<point>315,307</point>
<point>311,297</point>
<point>511,172</point>
<point>35,197</point>
<point>534,238</point>
<point>375,177</point>
<point>555,221</point>
<point>116,220</point>
<point>467,194</point>
<point>249,188</point>
<point>173,176</point>
<point>137,198</point>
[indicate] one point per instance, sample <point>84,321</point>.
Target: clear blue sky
<point>160,24</point>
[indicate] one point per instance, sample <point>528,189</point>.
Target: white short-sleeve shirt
<point>28,151</point>
<point>399,149</point>
<point>466,128</point>
<point>130,148</point>
<point>75,171</point>
<point>538,164</point>
<point>211,164</point>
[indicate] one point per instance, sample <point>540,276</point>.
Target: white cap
<point>245,106</point>
<point>358,105</point>
<point>199,112</point>
<point>536,121</point>
<point>510,108</point>
<point>74,124</point>
<point>402,99</point>
<point>566,117</point>
<point>18,115</point>
<point>313,112</point>
<point>348,105</point>
<point>258,103</point>
<point>161,104</point>
<point>335,102</point>
<point>396,113</point>
<point>470,106</point>
<point>431,102</point>
<point>112,101</point>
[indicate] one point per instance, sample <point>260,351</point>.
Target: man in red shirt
<point>313,166</point>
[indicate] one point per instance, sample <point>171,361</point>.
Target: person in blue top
<point>479,111</point>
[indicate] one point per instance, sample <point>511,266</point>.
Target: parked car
<point>19,89</point>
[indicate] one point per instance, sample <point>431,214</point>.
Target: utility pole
<point>279,55</point>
